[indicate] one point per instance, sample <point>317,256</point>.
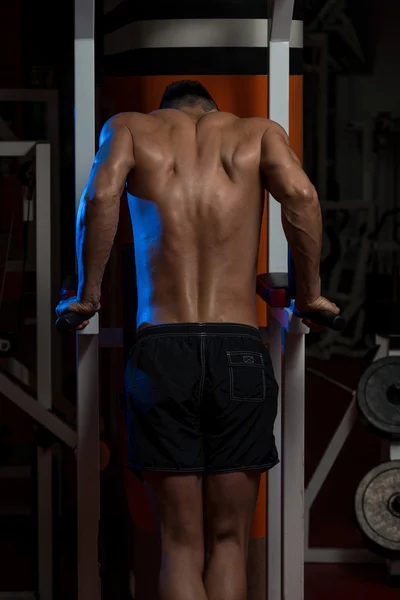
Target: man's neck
<point>196,112</point>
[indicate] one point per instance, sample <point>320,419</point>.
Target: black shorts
<point>200,397</point>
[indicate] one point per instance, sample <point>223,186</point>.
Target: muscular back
<point>195,188</point>
<point>195,199</point>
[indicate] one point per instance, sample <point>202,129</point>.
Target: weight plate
<point>377,505</point>
<point>378,396</point>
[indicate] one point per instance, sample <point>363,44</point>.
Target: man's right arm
<point>301,214</point>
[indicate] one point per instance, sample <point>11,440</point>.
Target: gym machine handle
<point>325,318</point>
<point>69,321</point>
<point>278,290</point>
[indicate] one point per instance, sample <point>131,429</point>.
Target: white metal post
<point>279,61</point>
<point>52,134</point>
<point>278,102</point>
<point>293,464</point>
<point>275,475</point>
<point>88,469</point>
<point>286,535</point>
<point>44,370</point>
<point>290,581</point>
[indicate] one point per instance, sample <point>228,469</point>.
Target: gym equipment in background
<point>360,267</point>
<point>377,501</point>
<point>377,507</point>
<point>376,401</point>
<point>378,397</point>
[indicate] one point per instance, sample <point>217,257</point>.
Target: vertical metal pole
<point>279,71</point>
<point>279,111</point>
<point>52,135</point>
<point>44,364</point>
<point>88,464</point>
<point>275,475</point>
<point>88,467</point>
<point>84,94</point>
<point>293,465</point>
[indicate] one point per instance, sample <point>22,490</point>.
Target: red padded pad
<point>273,289</point>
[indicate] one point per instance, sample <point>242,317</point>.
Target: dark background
<point>36,49</point>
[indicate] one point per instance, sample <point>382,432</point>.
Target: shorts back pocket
<point>246,376</point>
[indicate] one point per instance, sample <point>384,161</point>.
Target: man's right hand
<point>73,305</point>
<point>316,305</point>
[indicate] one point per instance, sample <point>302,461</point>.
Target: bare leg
<point>230,501</point>
<point>178,502</point>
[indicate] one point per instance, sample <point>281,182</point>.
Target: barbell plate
<point>377,506</point>
<point>377,398</point>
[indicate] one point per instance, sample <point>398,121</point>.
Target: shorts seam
<point>159,335</point>
<point>268,465</point>
<point>203,368</point>
<point>167,469</point>
<point>233,398</point>
<point>200,324</point>
<point>244,353</point>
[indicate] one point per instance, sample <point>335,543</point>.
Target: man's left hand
<point>73,305</point>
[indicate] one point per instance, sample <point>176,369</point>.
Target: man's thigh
<point>176,502</point>
<point>229,503</point>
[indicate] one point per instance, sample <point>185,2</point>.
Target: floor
<point>347,582</point>
<point>322,582</point>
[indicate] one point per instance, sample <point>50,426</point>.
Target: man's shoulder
<point>134,121</point>
<point>128,118</point>
<point>259,123</point>
<point>252,126</point>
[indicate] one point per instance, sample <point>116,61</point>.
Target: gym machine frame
<point>48,98</point>
<point>39,408</point>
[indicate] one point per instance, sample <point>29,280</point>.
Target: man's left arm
<point>98,213</point>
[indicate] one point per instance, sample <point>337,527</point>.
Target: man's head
<point>187,93</point>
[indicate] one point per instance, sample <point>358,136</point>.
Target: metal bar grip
<point>70,321</point>
<point>325,318</point>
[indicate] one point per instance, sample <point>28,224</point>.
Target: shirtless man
<point>199,384</point>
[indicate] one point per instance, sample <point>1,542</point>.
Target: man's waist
<point>197,329</point>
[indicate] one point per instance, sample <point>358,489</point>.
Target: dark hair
<point>187,93</point>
